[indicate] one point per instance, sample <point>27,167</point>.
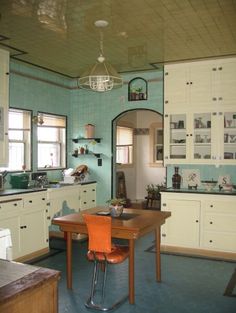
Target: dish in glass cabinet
<point>209,184</point>
<point>228,155</point>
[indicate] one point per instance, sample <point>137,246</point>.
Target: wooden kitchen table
<point>133,224</point>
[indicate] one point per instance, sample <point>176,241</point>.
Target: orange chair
<point>101,252</point>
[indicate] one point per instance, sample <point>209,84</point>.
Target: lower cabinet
<point>183,226</point>
<point>87,196</point>
<point>200,221</point>
<point>27,219</point>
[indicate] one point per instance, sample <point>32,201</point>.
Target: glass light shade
<point>101,77</point>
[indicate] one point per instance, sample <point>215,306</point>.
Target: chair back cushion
<point>99,232</point>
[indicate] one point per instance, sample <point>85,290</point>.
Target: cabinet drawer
<point>220,222</point>
<point>10,206</point>
<point>32,200</point>
<point>220,241</point>
<point>220,206</point>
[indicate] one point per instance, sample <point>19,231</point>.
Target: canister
<point>89,131</point>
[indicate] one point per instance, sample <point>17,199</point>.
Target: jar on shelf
<point>89,131</point>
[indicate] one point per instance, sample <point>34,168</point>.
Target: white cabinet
<point>27,219</point>
<point>4,98</point>
<point>199,112</point>
<point>200,221</point>
<point>183,226</point>
<point>64,200</point>
<point>10,218</point>
<point>188,84</point>
<point>219,224</point>
<point>34,223</point>
<point>87,196</point>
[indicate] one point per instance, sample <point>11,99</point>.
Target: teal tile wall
<point>39,90</point>
<point>100,109</point>
<point>207,172</point>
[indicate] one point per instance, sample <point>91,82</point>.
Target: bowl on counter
<point>209,184</point>
<point>227,187</point>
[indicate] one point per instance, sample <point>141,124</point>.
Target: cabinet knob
<point>85,202</point>
<point>220,68</point>
<point>93,200</point>
<point>15,204</point>
<point>93,190</point>
<point>220,98</point>
<point>210,241</point>
<point>211,222</point>
<point>43,199</point>
<point>197,221</point>
<point>163,235</point>
<point>211,206</point>
<point>187,83</point>
<point>214,99</point>
<point>49,217</point>
<point>214,69</point>
<point>85,191</point>
<point>163,204</point>
<point>166,101</point>
<point>191,83</point>
<point>30,201</point>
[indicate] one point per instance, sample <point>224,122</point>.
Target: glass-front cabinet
<point>200,138</point>
<point>228,153</point>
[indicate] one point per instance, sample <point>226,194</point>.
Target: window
<point>51,133</point>
<point>158,145</point>
<point>19,139</point>
<point>124,145</point>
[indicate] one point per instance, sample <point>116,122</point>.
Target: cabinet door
<point>175,138</point>
<point>10,218</point>
<point>227,139</point>
<point>182,228</point>
<point>4,82</point>
<point>175,85</point>
<point>34,231</point>
<point>87,196</point>
<point>200,83</point>
<point>225,90</point>
<point>13,223</point>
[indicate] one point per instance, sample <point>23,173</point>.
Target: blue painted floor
<point>189,285</point>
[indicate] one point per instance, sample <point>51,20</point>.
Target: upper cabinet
<point>200,112</point>
<point>4,96</point>
<point>204,83</point>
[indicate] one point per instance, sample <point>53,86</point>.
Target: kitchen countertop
<point>16,278</point>
<point>202,191</point>
<point>11,192</point>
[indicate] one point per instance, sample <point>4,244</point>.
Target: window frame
<point>122,165</point>
<point>40,115</point>
<point>28,147</point>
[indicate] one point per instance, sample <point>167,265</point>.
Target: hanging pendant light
<point>101,76</point>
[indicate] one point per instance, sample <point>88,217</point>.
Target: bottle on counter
<point>176,179</point>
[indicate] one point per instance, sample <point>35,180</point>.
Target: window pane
<point>124,154</point>
<point>16,155</point>
<point>15,135</point>
<point>124,136</point>
<point>48,155</point>
<point>48,134</point>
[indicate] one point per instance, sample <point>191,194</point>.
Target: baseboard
<point>229,256</point>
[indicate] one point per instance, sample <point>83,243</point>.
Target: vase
<point>176,179</point>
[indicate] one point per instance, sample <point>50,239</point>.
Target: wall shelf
<point>137,89</point>
<point>76,140</point>
<point>97,155</point>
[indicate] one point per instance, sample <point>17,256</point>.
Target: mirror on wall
<point>137,154</point>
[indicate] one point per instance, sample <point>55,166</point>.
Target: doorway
<point>147,159</point>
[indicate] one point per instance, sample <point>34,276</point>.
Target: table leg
<point>69,259</point>
<point>158,253</point>
<point>131,271</point>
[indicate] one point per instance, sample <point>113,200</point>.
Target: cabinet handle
<point>15,204</point>
<point>214,99</point>
<point>166,101</point>
<point>166,73</point>
<point>211,222</point>
<point>190,135</point>
<point>93,189</point>
<point>197,221</point>
<point>30,201</point>
<point>85,202</point>
<point>220,68</point>
<point>163,204</point>
<point>211,206</point>
<point>43,199</point>
<point>187,83</point>
<point>166,115</point>
<point>93,200</point>
<point>49,217</point>
<point>214,69</point>
<point>210,241</point>
<point>187,135</point>
<point>48,204</point>
<point>163,235</point>
<point>191,83</point>
<point>85,191</point>
<point>220,98</point>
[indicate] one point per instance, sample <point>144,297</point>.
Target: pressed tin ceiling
<point>142,34</point>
